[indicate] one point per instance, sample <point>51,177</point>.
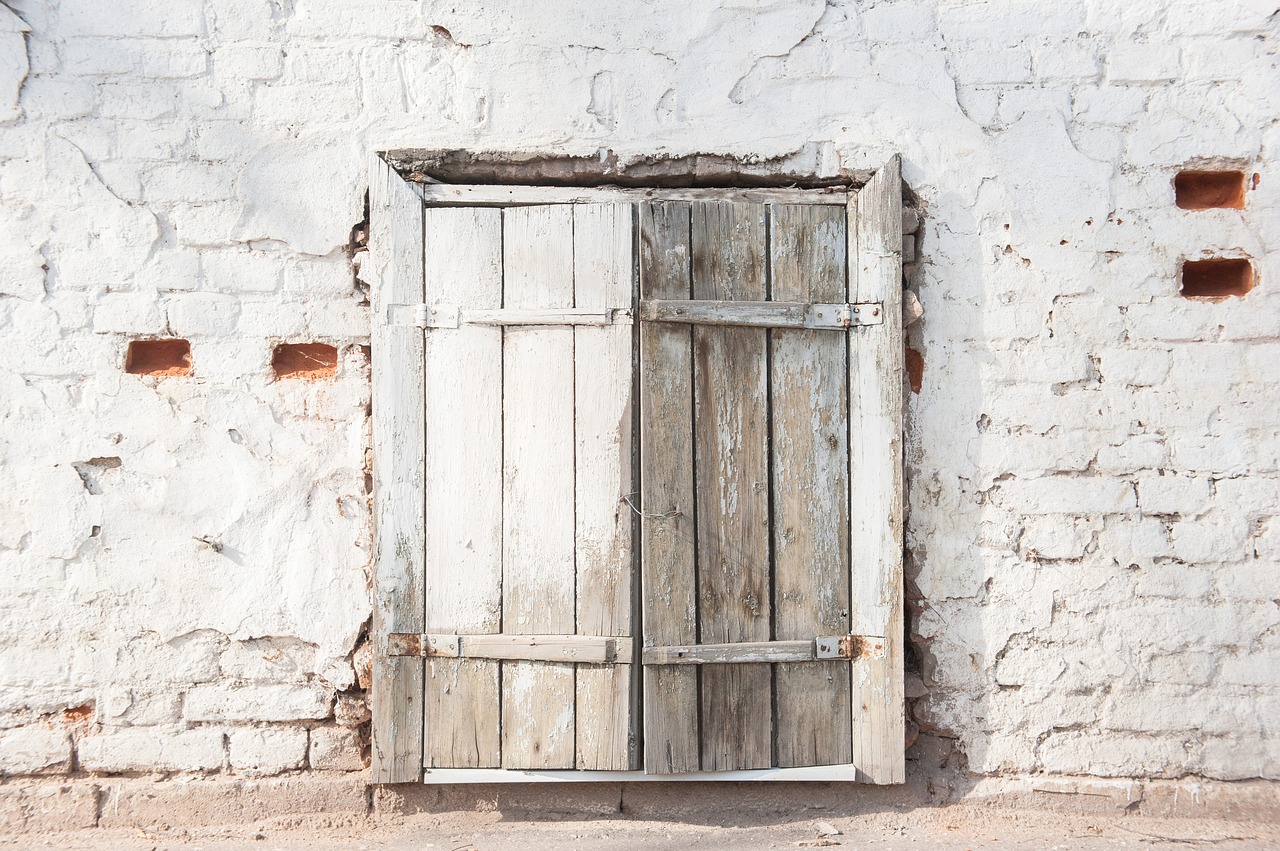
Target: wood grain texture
<point>593,650</point>
<point>463,502</point>
<point>668,569</point>
<point>538,487</point>
<point>396,248</point>
<point>808,373</point>
<point>563,316</point>
<point>875,436</point>
<point>739,652</point>
<point>732,485</point>
<point>761,314</point>
<point>503,195</point>
<point>602,259</point>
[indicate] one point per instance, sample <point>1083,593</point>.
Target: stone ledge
<point>40,806</point>
<point>43,805</point>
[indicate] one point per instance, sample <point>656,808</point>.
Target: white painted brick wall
<point>36,749</point>
<point>153,749</point>
<point>265,751</point>
<point>335,749</point>
<point>1092,459</point>
<point>259,702</point>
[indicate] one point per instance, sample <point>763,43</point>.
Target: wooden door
<point>537,551</point>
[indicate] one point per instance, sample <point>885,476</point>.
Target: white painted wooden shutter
<point>765,514</point>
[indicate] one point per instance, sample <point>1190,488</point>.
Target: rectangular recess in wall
<point>1217,278</point>
<point>304,360</point>
<point>162,358</point>
<point>1209,190</point>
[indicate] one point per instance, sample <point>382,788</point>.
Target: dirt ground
<point>920,828</point>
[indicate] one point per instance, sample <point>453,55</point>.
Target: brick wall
<point>1092,457</point>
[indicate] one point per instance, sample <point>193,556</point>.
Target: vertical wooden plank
<point>809,446</point>
<point>602,257</point>
<point>463,484</point>
<point>668,572</point>
<point>538,486</point>
<point>396,248</point>
<point>875,439</point>
<point>732,485</point>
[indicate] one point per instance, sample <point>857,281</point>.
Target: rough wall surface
<point>1092,459</point>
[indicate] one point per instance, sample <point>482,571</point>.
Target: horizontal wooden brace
<point>486,195</point>
<point>446,316</point>
<point>591,649</point>
<point>803,650</point>
<point>762,314</point>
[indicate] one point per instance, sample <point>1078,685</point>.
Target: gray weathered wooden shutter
<point>770,451</point>
<point>512,513</point>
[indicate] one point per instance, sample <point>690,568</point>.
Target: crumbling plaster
<point>1092,460</point>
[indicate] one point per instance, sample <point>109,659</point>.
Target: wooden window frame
<point>874,258</point>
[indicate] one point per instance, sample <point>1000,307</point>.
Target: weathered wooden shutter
<point>764,513</point>
<point>765,536</point>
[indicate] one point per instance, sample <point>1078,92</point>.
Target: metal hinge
<point>815,649</point>
<point>448,316</point>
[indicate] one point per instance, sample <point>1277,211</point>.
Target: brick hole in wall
<point>309,361</point>
<point>1208,190</point>
<point>1217,278</point>
<point>915,368</point>
<point>162,358</point>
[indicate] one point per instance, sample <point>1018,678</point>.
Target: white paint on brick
<point>36,749</point>
<point>153,749</point>
<point>258,752</point>
<point>335,749</point>
<point>1092,459</point>
<point>14,64</point>
<point>264,702</point>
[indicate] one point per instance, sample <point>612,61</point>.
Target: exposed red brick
<point>915,368</point>
<point>1217,278</point>
<point>158,357</point>
<point>1208,190</point>
<point>305,360</point>
<point>78,713</point>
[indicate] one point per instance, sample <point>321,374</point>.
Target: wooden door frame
<point>395,270</point>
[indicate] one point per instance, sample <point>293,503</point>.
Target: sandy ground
<point>921,828</point>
